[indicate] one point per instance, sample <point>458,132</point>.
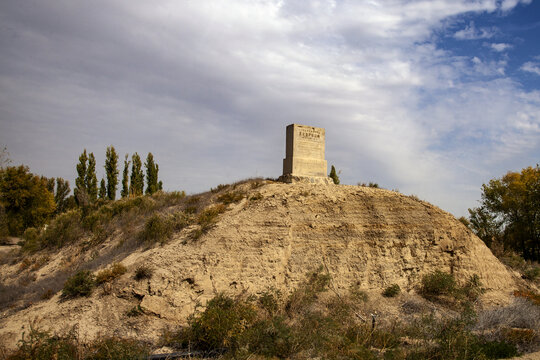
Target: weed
<point>207,218</point>
<point>392,291</point>
<point>47,294</point>
<point>231,197</point>
<point>370,184</point>
<point>143,272</point>
<point>80,284</point>
<point>108,275</point>
<point>218,188</point>
<point>535,298</point>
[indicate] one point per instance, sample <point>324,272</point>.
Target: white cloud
<point>500,47</point>
<point>532,67</point>
<point>470,32</point>
<point>209,86</point>
<point>507,5</point>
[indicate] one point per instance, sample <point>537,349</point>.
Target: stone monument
<point>304,155</point>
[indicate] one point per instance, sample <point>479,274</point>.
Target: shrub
<point>31,240</point>
<point>271,338</point>
<point>143,272</point>
<point>437,283</point>
<point>230,197</point>
<point>114,348</point>
<point>472,288</point>
<point>532,273</point>
<point>108,275</point>
<point>392,291</point>
<point>80,284</point>
<point>157,229</point>
<point>308,292</point>
<point>220,325</point>
<point>208,217</point>
<point>64,229</point>
<point>41,345</point>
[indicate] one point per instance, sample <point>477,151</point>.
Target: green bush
<point>41,345</point>
<point>63,230</point>
<point>114,348</point>
<point>220,325</point>
<point>271,338</point>
<point>31,240</point>
<point>437,283</point>
<point>392,291</point>
<point>80,284</point>
<point>157,229</point>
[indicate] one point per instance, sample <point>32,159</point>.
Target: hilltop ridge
<point>269,236</point>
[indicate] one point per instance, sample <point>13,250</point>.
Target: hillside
<point>269,236</point>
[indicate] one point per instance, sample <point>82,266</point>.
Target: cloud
<point>470,32</point>
<point>507,5</point>
<point>532,67</point>
<point>500,47</point>
<point>208,87</point>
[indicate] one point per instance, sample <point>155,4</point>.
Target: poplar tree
<point>91,179</point>
<point>61,195</point>
<point>111,171</point>
<point>152,169</point>
<point>102,190</point>
<point>80,191</point>
<point>136,185</point>
<point>125,178</point>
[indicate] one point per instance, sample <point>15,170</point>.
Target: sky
<point>433,98</point>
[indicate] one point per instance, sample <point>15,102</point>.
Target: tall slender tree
<point>152,169</point>
<point>91,179</point>
<point>125,178</point>
<point>61,195</point>
<point>136,185</point>
<point>102,190</point>
<point>111,170</point>
<point>80,190</point>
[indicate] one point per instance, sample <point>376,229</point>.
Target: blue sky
<point>433,98</point>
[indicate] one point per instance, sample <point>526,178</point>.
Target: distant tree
<point>49,183</point>
<point>334,175</point>
<point>102,190</point>
<point>111,169</point>
<point>510,210</point>
<point>61,195</point>
<point>91,178</point>
<point>152,169</point>
<point>125,178</point>
<point>80,192</point>
<point>136,185</point>
<point>4,158</point>
<point>25,199</point>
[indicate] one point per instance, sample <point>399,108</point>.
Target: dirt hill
<point>270,238</point>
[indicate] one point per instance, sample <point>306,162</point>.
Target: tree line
<point>29,200</point>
